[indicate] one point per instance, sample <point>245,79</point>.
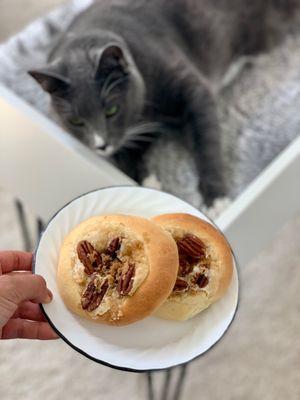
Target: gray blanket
<point>259,103</point>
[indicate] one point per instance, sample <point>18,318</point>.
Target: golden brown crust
<point>162,256</point>
<point>187,305</point>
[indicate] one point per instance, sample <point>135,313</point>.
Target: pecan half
<point>88,294</point>
<point>113,247</point>
<point>201,280</point>
<point>89,256</point>
<point>180,285</point>
<point>190,249</point>
<point>92,297</point>
<point>126,280</point>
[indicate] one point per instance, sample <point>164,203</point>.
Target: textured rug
<point>257,359</point>
<point>258,106</point>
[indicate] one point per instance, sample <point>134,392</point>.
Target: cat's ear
<point>51,81</point>
<point>112,58</point>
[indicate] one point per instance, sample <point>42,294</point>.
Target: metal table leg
<point>39,227</point>
<point>27,238</point>
<point>150,386</point>
<point>180,382</point>
<point>166,392</point>
<point>166,386</point>
<point>24,226</point>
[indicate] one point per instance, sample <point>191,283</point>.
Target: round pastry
<point>116,269</point>
<point>205,266</point>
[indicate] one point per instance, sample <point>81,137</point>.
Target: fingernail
<point>49,297</point>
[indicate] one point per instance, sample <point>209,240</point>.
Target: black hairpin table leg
<point>39,227</point>
<point>150,386</point>
<point>166,385</point>
<point>24,226</point>
<point>28,244</point>
<point>167,393</point>
<point>180,382</point>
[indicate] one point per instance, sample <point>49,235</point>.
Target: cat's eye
<point>76,121</point>
<point>111,111</point>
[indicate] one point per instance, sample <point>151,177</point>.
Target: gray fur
<point>103,79</point>
<point>254,132</point>
<point>262,110</point>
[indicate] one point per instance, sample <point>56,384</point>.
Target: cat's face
<point>97,97</point>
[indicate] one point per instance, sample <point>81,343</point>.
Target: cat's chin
<point>107,152</point>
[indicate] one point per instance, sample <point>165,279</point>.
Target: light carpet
<point>257,359</point>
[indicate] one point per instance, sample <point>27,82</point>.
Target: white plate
<point>146,345</point>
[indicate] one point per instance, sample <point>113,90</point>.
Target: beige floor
<point>258,358</point>
<point>15,14</point>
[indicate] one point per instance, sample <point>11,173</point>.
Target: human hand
<point>20,291</point>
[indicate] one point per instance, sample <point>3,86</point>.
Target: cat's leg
<point>202,132</point>
<point>130,162</point>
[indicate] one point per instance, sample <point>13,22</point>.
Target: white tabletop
<point>45,167</point>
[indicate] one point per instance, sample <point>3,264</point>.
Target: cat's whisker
<point>144,123</point>
<point>130,145</point>
<point>142,139</point>
<point>145,127</point>
<point>141,133</point>
<point>145,131</point>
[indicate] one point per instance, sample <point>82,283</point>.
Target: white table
<point>45,167</point>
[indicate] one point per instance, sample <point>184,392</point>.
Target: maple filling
<point>194,265</point>
<point>109,274</point>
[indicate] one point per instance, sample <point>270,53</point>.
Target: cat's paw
<point>218,206</point>
<point>152,181</point>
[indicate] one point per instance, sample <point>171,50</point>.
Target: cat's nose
<point>99,142</point>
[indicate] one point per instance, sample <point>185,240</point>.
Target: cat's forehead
<point>79,66</point>
<point>85,101</point>
<point>83,52</point>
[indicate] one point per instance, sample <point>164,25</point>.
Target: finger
<point>15,261</point>
<point>17,288</point>
<point>20,328</point>
<point>19,273</point>
<point>28,310</point>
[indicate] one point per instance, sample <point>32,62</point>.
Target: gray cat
<point>127,72</point>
